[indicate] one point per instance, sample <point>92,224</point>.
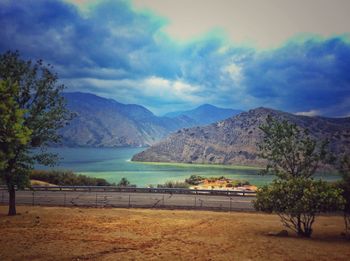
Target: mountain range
<point>102,122</point>
<point>234,140</point>
<point>205,114</point>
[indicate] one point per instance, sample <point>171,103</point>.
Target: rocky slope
<point>233,141</point>
<point>104,122</point>
<point>204,114</point>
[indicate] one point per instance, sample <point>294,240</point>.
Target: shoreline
<point>196,165</point>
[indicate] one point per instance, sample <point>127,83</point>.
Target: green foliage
<point>290,152</point>
<point>124,182</point>
<point>297,201</point>
<point>293,156</point>
<point>39,95</point>
<point>13,135</point>
<point>239,183</point>
<point>174,184</point>
<point>194,180</point>
<point>32,111</point>
<point>66,178</point>
<point>344,185</point>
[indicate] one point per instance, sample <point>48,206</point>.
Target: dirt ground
<point>54,233</point>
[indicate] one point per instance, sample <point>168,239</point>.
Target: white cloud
<point>310,113</point>
<point>263,24</point>
<point>150,91</point>
<point>235,72</point>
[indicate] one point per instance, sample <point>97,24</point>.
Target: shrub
<point>344,185</point>
<point>67,178</point>
<point>239,183</point>
<point>124,182</point>
<point>194,180</point>
<point>174,184</point>
<point>297,202</point>
<point>293,157</point>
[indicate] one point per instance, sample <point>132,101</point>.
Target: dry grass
<point>52,233</point>
<point>35,182</point>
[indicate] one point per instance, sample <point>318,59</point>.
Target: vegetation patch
<point>199,182</point>
<point>66,178</point>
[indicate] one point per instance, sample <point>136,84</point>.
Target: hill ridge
<point>234,140</point>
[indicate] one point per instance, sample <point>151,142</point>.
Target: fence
<point>132,198</point>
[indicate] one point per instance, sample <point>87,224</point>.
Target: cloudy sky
<point>177,54</point>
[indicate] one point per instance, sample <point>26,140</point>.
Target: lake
<point>114,163</point>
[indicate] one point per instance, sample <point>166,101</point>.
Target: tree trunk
<point>347,224</point>
<point>12,201</point>
<point>299,228</point>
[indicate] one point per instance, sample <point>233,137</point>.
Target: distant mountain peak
<point>103,122</point>
<point>205,114</point>
<point>207,105</point>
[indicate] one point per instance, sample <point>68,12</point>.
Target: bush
<point>174,184</point>
<point>293,156</point>
<point>124,182</point>
<point>194,180</point>
<point>67,178</point>
<point>239,183</point>
<point>344,185</point>
<point>297,201</point>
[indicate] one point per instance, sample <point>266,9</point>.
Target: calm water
<point>114,163</point>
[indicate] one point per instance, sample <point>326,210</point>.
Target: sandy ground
<point>53,233</point>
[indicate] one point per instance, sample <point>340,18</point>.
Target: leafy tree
<point>124,182</point>
<point>36,111</point>
<point>293,157</point>
<point>344,185</point>
<point>289,151</point>
<point>297,201</point>
<point>13,135</point>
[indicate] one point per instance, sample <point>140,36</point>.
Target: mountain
<point>101,122</point>
<point>205,114</point>
<point>233,141</point>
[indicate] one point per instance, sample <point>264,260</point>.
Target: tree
<point>344,185</point>
<point>13,135</point>
<point>289,151</point>
<point>293,156</point>
<point>124,182</point>
<point>297,201</point>
<point>33,109</point>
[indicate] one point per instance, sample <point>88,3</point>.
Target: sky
<point>175,55</point>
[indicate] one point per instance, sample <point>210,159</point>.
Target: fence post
<point>64,203</point>
<point>230,204</point>
<point>96,201</point>
<point>3,197</point>
<point>33,199</point>
<point>129,201</point>
<point>195,202</point>
<point>163,201</point>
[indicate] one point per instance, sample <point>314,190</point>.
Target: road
<point>131,200</point>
